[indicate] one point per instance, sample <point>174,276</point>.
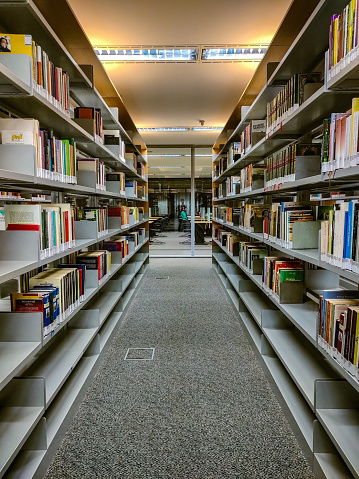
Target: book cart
<point>40,377</point>
<point>322,396</point>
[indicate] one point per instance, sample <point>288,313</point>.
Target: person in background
<point>182,218</point>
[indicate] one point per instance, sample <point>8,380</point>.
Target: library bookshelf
<point>321,394</point>
<point>41,376</point>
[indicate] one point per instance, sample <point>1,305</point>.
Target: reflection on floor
<point>177,243</point>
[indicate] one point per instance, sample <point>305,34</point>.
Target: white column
<point>193,211</point>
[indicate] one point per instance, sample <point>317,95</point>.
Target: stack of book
<point>99,261</point>
<point>338,325</point>
<point>234,152</point>
<point>55,159</point>
<point>54,222</point>
<point>252,134</point>
<point>114,143</point>
<point>278,226</point>
<point>252,178</point>
<point>343,38</point>
<point>97,215</point>
<point>131,188</point>
<point>232,186</point>
<point>95,123</point>
<point>49,81</point>
<point>340,235</point>
<point>120,177</point>
<point>278,270</point>
<point>340,139</point>
<point>281,165</point>
<point>253,216</point>
<point>97,167</point>
<point>251,251</point>
<point>295,92</point>
<point>220,213</point>
<point>55,293</point>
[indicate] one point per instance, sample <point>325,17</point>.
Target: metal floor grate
<point>140,354</point>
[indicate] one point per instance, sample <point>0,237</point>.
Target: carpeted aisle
<point>201,409</point>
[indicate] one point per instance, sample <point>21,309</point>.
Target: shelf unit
<point>322,397</point>
<point>40,377</point>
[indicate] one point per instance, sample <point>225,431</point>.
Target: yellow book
<point>335,41</point>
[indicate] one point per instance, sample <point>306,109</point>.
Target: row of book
<point>94,117</point>
<point>247,215</point>
<point>114,143</point>
<point>278,270</point>
<point>126,244</point>
<point>275,270</point>
<point>340,139</point>
<point>55,158</point>
<point>57,292</point>
<point>251,135</point>
<point>127,215</point>
<point>252,178</point>
<point>279,223</point>
<point>281,165</point>
<point>97,169</point>
<point>339,244</point>
<point>54,222</point>
<point>220,166</point>
<point>49,81</point>
<point>338,327</point>
<point>343,36</point>
<point>300,87</point>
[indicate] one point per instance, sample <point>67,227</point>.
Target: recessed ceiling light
<point>166,155</point>
<point>147,54</point>
<point>238,53</point>
<point>170,128</point>
<point>207,128</point>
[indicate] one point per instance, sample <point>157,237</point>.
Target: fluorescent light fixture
<point>171,128</point>
<point>178,155</point>
<point>165,167</point>
<point>234,53</point>
<point>174,155</point>
<point>207,128</point>
<point>159,54</point>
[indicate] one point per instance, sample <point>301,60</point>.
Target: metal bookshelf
<point>322,397</point>
<point>32,409</point>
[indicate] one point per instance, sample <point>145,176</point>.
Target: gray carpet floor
<point>202,408</point>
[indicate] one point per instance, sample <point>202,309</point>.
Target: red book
<point>114,211</point>
<point>67,231</point>
<point>20,227</point>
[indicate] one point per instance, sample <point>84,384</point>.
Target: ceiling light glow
<point>112,54</point>
<point>238,53</point>
<point>207,128</point>
<point>171,129</point>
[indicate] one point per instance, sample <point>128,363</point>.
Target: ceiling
<point>180,94</point>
